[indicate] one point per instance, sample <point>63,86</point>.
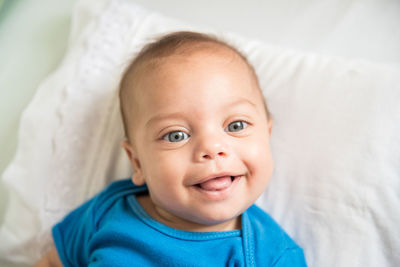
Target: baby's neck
<point>182,224</point>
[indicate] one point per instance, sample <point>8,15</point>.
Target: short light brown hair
<point>175,43</point>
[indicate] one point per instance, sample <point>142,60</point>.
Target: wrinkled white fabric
<point>335,140</point>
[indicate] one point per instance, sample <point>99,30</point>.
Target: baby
<point>198,133</point>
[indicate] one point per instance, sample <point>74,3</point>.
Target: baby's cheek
<point>259,158</point>
<point>257,148</point>
<point>171,167</point>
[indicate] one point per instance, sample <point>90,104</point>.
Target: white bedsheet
<point>335,141</point>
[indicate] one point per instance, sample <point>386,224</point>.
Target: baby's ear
<point>137,177</point>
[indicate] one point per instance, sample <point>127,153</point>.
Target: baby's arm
<point>50,259</point>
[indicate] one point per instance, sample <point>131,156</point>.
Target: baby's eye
<point>175,136</point>
<point>236,126</point>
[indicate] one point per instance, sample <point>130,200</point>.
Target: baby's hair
<point>175,43</point>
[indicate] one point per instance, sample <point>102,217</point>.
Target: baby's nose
<point>210,148</point>
<point>213,155</point>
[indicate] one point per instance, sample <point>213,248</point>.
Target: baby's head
<point>198,131</point>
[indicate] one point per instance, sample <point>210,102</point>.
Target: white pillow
<point>335,141</point>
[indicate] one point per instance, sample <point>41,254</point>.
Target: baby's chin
<point>223,219</point>
<point>205,220</point>
<point>214,225</point>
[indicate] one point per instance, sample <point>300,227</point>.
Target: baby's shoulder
<point>117,189</point>
<point>268,232</point>
<point>114,192</point>
<point>262,220</point>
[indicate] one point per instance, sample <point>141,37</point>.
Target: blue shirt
<point>112,229</point>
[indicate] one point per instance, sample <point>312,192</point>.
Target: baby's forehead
<point>196,52</point>
<point>178,63</point>
<point>164,67</point>
<point>208,55</point>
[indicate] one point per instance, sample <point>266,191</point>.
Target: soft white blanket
<point>336,140</point>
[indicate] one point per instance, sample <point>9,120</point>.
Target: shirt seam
<point>248,244</point>
<point>175,233</point>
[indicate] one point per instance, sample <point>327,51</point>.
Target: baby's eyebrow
<point>180,115</point>
<point>241,101</point>
<point>160,117</point>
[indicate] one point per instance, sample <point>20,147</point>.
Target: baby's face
<point>201,140</point>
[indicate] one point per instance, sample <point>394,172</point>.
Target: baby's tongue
<point>216,184</point>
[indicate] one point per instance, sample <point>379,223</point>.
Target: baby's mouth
<point>217,183</point>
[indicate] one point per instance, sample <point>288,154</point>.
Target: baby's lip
<point>217,179</point>
<point>217,175</point>
<point>218,186</point>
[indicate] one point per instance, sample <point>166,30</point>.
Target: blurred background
<point>34,38</point>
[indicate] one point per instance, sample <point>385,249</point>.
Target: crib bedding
<point>335,139</point>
